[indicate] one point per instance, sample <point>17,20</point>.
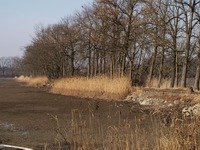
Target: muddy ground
<point>27,114</point>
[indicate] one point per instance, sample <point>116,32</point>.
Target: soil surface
<point>27,114</point>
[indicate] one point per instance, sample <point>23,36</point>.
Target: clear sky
<point>18,19</point>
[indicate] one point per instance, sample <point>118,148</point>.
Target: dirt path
<point>25,113</point>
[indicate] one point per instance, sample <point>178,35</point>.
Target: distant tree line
<point>141,39</point>
<point>10,66</point>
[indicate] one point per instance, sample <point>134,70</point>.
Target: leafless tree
<point>188,9</point>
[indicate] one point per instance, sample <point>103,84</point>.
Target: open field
<point>32,117</point>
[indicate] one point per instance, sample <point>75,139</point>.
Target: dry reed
<point>97,87</point>
<point>88,133</point>
<point>34,81</point>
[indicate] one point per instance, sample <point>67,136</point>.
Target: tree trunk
<point>123,64</point>
<point>172,84</point>
<point>189,20</point>
<point>152,66</point>
<point>197,76</point>
<point>185,64</point>
<point>132,71</point>
<point>101,64</point>
<point>196,82</point>
<point>112,66</point>
<point>89,61</point>
<point>177,68</point>
<point>161,68</point>
<point>72,64</point>
<point>93,63</point>
<point>136,80</point>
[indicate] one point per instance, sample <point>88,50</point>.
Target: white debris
<point>2,146</point>
<point>152,101</point>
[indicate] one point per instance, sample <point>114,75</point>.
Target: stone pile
<point>145,101</point>
<point>191,110</point>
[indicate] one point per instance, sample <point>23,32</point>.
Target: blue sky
<point>18,19</point>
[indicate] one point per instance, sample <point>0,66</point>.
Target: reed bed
<point>97,87</point>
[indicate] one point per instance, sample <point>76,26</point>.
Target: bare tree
<point>174,30</point>
<point>155,13</point>
<point>133,38</point>
<point>188,9</point>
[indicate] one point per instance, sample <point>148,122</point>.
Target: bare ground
<point>26,113</point>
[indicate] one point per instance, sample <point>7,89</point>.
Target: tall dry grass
<point>34,81</point>
<point>89,133</point>
<point>97,87</point>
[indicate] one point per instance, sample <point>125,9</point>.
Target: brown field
<point>34,118</point>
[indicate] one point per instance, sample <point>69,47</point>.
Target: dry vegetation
<point>89,133</point>
<point>98,87</point>
<point>34,81</point>
<point>196,99</point>
<point>106,88</point>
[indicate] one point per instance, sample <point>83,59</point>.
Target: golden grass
<point>97,87</point>
<point>34,81</point>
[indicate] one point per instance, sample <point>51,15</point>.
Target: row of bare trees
<point>142,39</point>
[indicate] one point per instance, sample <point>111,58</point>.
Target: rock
<point>192,110</point>
<point>176,102</point>
<point>196,109</point>
<point>170,105</point>
<point>186,112</point>
<point>129,98</point>
<point>145,102</point>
